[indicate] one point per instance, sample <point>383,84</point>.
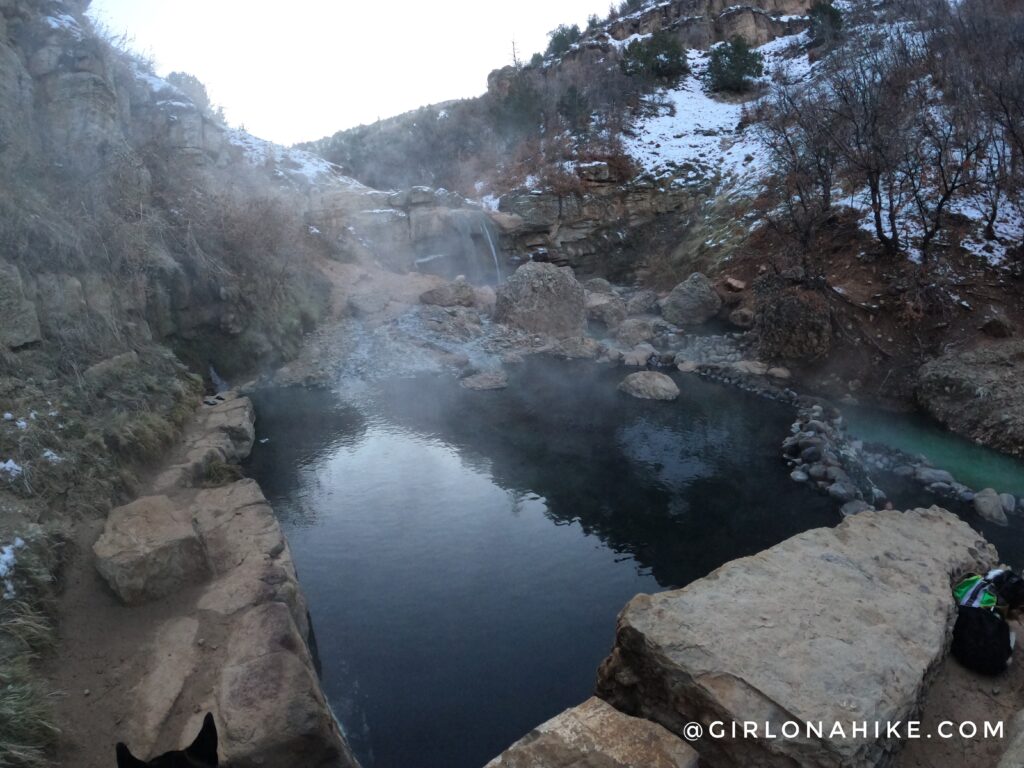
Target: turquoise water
<point>971,464</point>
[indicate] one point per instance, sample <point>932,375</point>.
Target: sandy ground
<point>958,695</point>
<point>104,649</point>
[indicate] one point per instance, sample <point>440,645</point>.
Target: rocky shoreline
<point>205,565</point>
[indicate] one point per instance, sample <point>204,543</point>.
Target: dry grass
<point>27,731</point>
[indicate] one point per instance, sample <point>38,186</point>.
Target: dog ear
<point>125,759</point>
<point>204,748</point>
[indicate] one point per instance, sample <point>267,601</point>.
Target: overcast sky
<point>295,70</point>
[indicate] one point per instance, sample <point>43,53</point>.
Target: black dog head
<point>1010,589</point>
<point>202,753</point>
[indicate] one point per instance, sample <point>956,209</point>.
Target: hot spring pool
<point>465,554</point>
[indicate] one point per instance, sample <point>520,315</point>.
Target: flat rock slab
<point>149,549</point>
<point>271,707</point>
<point>238,525</point>
<point>596,735</point>
<point>224,433</point>
<point>833,625</point>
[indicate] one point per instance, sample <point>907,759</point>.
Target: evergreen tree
<point>562,38</point>
<point>660,57</point>
<point>732,65</point>
<point>826,24</point>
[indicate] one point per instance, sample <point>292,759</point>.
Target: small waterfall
<point>460,242</point>
<point>219,384</point>
<point>485,225</point>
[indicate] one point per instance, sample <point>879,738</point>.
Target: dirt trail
<point>957,696</point>
<point>105,648</point>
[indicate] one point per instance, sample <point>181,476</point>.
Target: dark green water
<point>465,554</point>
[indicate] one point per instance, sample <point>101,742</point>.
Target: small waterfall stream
<point>462,242</point>
<point>219,383</point>
<point>486,225</point>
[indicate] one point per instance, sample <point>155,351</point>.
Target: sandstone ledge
<point>595,735</point>
<point>835,625</point>
<point>231,631</point>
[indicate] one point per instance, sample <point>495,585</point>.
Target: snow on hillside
<point>696,135</point>
<point>287,164</point>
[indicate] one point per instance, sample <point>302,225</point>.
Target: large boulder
<point>833,625</point>
<point>149,549</point>
<point>649,385</point>
<point>542,298</point>
<point>978,393</point>
<point>642,302</point>
<point>606,308</point>
<point>595,735</point>
<point>457,293</point>
<point>635,330</point>
<point>693,302</point>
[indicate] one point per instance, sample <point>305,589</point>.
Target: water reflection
<point>465,553</point>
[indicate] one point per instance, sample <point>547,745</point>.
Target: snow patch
<point>66,23</point>
<point>8,560</point>
<point>51,457</point>
<point>11,469</point>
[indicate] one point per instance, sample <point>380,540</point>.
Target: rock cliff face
<point>109,170</point>
<point>978,393</point>
<point>586,230</point>
<point>700,23</point>
<point>833,625</point>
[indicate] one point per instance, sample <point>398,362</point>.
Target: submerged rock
<point>649,385</point>
<point>833,625</point>
<point>542,298</point>
<point>595,735</point>
<point>149,549</point>
<point>638,356</point>
<point>693,302</point>
<point>989,506</point>
<point>577,348</point>
<point>486,380</point>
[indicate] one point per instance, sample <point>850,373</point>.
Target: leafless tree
<point>869,124</point>
<point>796,130</point>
